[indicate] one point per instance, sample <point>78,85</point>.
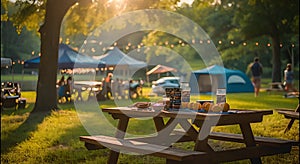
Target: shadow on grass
<point>24,130</point>
<point>69,149</point>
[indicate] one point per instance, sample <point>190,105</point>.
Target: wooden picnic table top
<point>233,116</point>
<point>88,83</point>
<point>147,112</point>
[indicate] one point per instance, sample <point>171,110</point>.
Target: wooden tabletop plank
<point>234,116</point>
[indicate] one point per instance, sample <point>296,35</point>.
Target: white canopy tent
<point>120,62</point>
<point>7,63</point>
<point>159,69</point>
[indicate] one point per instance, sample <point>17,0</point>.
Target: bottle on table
<point>185,92</point>
<point>221,95</point>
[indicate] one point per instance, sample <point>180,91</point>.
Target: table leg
<point>164,130</point>
<point>188,127</point>
<point>291,121</point>
<point>159,123</point>
<point>122,126</point>
<point>162,127</point>
<point>202,139</point>
<point>249,139</point>
<point>289,125</point>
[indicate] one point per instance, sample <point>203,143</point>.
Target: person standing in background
<point>256,70</point>
<point>69,88</point>
<point>108,81</point>
<point>289,79</point>
<point>61,82</point>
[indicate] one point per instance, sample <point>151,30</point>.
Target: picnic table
<point>275,86</point>
<point>92,86</point>
<point>195,126</point>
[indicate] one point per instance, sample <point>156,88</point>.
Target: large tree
<point>49,32</point>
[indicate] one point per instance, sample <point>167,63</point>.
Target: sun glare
<point>115,1</point>
<point>119,4</point>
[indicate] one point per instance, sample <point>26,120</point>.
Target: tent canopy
<point>115,57</point>
<point>235,80</point>
<point>68,59</point>
<point>6,62</point>
<point>161,69</point>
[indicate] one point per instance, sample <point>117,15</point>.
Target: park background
<point>54,138</point>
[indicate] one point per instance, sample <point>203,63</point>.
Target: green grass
<point>19,77</point>
<point>54,137</point>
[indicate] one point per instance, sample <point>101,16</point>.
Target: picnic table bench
<point>134,146</point>
<point>240,139</point>
<point>161,145</point>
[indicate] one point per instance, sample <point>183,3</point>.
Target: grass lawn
<point>54,137</point>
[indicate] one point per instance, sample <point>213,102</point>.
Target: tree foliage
<point>245,29</point>
<point>18,46</point>
<point>265,19</point>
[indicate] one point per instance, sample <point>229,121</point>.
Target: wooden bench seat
<point>239,138</point>
<point>259,140</point>
<point>289,114</point>
<point>127,145</point>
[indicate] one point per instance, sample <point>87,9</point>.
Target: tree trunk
<point>46,98</point>
<point>276,68</point>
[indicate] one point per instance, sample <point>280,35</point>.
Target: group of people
<point>257,71</point>
<point>110,89</point>
<point>65,88</point>
<point>118,88</point>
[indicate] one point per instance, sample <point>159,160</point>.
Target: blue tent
<point>68,59</point>
<point>213,77</point>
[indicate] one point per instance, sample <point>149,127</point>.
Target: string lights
<point>170,44</point>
